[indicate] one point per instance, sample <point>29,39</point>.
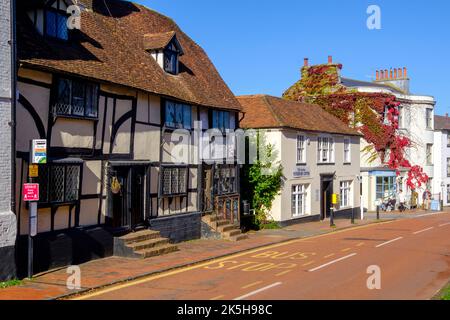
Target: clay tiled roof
<point>442,123</point>
<point>110,48</point>
<point>263,112</point>
<point>158,40</point>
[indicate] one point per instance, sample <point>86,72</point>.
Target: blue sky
<point>258,46</point>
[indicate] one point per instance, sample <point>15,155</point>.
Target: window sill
<point>326,163</point>
<point>301,164</point>
<point>68,116</point>
<point>347,163</point>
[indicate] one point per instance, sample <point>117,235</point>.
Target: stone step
<point>227,227</point>
<point>232,233</point>
<point>152,243</point>
<point>157,251</point>
<point>239,237</point>
<point>140,236</point>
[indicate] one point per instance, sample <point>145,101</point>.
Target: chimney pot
<point>405,73</point>
<point>386,74</point>
<point>306,62</point>
<point>400,73</point>
<point>330,59</point>
<point>390,74</point>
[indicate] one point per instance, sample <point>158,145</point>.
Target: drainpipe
<point>13,113</point>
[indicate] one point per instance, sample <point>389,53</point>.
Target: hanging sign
<point>31,192</point>
<point>39,151</point>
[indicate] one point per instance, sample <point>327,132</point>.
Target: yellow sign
<point>33,171</point>
<point>335,198</point>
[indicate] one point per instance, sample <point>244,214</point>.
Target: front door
<point>127,185</point>
<point>326,194</point>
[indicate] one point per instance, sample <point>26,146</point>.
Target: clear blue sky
<point>258,46</point>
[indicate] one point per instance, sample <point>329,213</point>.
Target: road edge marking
<point>251,285</point>
<point>388,242</point>
<point>422,231</point>
<point>332,262</point>
<point>273,285</point>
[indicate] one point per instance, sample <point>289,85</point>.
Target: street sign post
<point>38,156</point>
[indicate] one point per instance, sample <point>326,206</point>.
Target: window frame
<point>172,194</point>
<point>299,192</point>
<point>384,185</point>
<point>58,12</point>
<point>330,150</point>
<point>429,154</point>
<point>301,142</point>
<point>220,114</point>
<point>49,185</point>
<point>347,152</point>
<point>94,89</point>
<point>345,201</point>
<point>177,124</point>
<point>218,176</point>
<point>448,167</point>
<point>429,119</point>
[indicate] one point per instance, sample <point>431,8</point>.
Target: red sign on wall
<point>31,192</point>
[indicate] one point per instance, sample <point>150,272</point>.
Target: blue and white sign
<point>301,172</point>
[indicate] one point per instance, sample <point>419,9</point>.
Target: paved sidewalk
<point>113,270</point>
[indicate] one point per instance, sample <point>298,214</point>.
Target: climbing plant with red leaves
<point>375,115</point>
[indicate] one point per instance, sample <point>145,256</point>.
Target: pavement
<point>192,281</point>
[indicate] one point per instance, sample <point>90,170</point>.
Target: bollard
<point>378,212</point>
<point>331,217</point>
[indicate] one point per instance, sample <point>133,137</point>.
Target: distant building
<point>318,152</point>
<point>8,225</point>
<point>415,122</point>
<point>441,183</point>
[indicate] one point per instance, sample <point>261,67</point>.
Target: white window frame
<point>429,118</point>
<point>325,150</point>
<point>429,154</point>
<point>299,192</point>
<point>347,150</point>
<point>346,199</point>
<point>301,149</point>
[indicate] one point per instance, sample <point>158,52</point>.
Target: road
<point>413,257</point>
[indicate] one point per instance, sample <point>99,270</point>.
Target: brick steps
<point>143,244</point>
<point>227,230</point>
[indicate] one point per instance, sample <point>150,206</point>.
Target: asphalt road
<point>412,257</point>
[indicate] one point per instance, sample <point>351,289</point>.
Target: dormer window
<point>165,49</point>
<point>50,20</point>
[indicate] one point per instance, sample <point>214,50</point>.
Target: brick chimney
<point>397,77</point>
<point>330,59</point>
<point>306,62</point>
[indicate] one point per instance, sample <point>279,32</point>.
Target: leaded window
<point>178,115</point>
<point>56,24</point>
<point>174,181</point>
<point>221,120</point>
<point>59,183</point>
<point>76,98</point>
<point>225,179</point>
